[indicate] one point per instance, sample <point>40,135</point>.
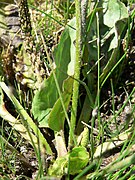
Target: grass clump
<point>70,97</point>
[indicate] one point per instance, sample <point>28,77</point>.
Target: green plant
<point>71,96</point>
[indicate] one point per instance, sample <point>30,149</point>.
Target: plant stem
<point>76,74</point>
<point>84,4</point>
<point>26,119</point>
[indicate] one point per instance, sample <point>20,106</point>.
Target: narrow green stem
<point>97,101</point>
<point>77,72</point>
<point>58,88</point>
<point>98,52</point>
<point>27,119</point>
<point>98,85</point>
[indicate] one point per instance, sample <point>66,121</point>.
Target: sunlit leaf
<point>47,96</point>
<point>114,10</point>
<point>58,168</point>
<point>57,115</point>
<point>73,162</point>
<point>78,159</point>
<point>45,114</point>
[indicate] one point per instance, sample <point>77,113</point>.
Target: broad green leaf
<point>73,162</point>
<point>114,10</point>
<point>58,168</point>
<point>78,159</point>
<point>47,96</point>
<point>57,115</point>
<point>112,23</point>
<point>45,114</point>
<point>111,32</point>
<point>72,33</point>
<point>119,29</point>
<point>44,99</point>
<point>115,17</point>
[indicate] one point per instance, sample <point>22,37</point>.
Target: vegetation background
<point>67,89</point>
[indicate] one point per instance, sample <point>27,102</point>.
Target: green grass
<point>68,105</point>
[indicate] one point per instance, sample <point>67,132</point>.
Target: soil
<point>125,119</point>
